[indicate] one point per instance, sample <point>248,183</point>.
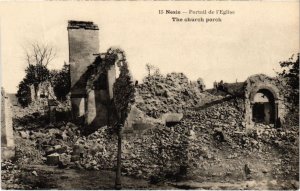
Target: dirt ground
<point>49,177</point>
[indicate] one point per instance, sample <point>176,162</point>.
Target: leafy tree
<point>24,94</point>
<point>290,76</point>
<point>61,82</point>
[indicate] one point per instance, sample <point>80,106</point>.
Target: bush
<point>290,76</point>
<point>61,82</point>
<point>24,94</point>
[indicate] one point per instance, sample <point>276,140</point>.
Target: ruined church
<point>92,84</point>
<point>90,95</point>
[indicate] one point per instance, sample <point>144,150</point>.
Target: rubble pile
<point>226,115</point>
<point>10,179</point>
<point>52,145</point>
<point>63,110</point>
<point>157,151</point>
<point>174,93</point>
<point>224,124</point>
<point>212,142</point>
<point>161,150</point>
<point>36,114</point>
<point>27,152</point>
<point>97,150</point>
<point>209,141</point>
<point>38,106</point>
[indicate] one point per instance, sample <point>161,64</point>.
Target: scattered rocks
<point>10,179</point>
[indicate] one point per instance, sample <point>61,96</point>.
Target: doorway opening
<point>264,107</point>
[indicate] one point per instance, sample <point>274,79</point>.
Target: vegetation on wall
<point>124,86</point>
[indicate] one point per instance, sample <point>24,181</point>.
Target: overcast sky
<point>253,40</point>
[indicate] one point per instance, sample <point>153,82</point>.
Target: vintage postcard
<point>105,95</point>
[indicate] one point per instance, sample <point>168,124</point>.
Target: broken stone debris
<point>10,173</point>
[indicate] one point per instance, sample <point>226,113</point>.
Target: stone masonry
<point>91,82</point>
<point>7,138</point>
<point>83,45</point>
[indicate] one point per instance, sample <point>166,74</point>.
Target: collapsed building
<point>90,95</point>
<point>173,126</point>
<point>92,82</point>
<point>42,90</point>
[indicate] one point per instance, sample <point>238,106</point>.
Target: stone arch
<point>263,106</point>
<point>273,90</point>
<point>269,111</point>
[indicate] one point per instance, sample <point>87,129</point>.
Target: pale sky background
<point>253,40</point>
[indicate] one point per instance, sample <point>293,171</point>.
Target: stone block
<point>53,159</point>
<point>7,138</point>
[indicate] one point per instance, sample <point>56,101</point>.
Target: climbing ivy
<point>124,86</point>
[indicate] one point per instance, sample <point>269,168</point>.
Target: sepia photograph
<point>149,95</point>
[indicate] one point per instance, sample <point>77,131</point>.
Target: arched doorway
<point>264,109</point>
<point>263,102</point>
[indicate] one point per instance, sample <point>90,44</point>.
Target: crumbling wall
<point>100,82</point>
<point>83,45</point>
<point>46,90</point>
<point>111,79</point>
<point>7,138</point>
<point>97,108</point>
<point>92,75</point>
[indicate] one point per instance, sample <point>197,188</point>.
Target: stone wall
<point>97,111</point>
<point>111,79</point>
<point>7,138</point>
<point>83,45</point>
